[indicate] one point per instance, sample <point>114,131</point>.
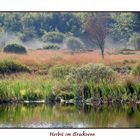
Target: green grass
<point>66,82</point>
<point>10,65</point>
<point>136,69</point>
<point>24,89</point>
<point>39,88</point>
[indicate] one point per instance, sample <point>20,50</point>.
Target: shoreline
<point>74,102</point>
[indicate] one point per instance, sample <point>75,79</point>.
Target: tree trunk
<point>102,53</point>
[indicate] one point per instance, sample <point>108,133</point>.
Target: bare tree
<point>96,31</point>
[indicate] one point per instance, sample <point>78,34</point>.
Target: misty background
<point>28,29</point>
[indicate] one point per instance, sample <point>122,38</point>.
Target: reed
<point>21,89</point>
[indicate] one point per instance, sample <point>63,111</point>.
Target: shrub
<point>95,72</point>
<point>134,40</point>
<point>12,66</point>
<point>15,48</point>
<point>52,47</point>
<point>91,72</point>
<point>136,69</point>
<point>53,37</point>
<point>27,35</point>
<point>74,43</point>
<point>122,69</point>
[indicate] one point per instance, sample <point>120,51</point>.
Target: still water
<point>68,116</point>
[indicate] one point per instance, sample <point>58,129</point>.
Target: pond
<point>69,116</point>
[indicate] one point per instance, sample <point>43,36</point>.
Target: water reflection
<point>69,116</point>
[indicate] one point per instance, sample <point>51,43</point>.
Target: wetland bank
<point>81,71</point>
<point>68,95</point>
<point>91,83</point>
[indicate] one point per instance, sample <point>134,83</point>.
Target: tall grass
<point>21,89</point>
<point>46,56</point>
<point>31,89</point>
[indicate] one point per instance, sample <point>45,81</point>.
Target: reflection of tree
<point>68,114</point>
<point>130,115</point>
<point>130,112</point>
<point>138,107</point>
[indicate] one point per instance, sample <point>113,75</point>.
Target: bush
<point>53,37</point>
<point>12,66</point>
<point>136,69</point>
<point>134,40</point>
<point>95,72</point>
<point>15,48</point>
<point>74,43</point>
<point>52,47</point>
<point>125,69</point>
<point>91,72</point>
<point>27,35</point>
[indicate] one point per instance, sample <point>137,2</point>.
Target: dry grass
<point>62,57</point>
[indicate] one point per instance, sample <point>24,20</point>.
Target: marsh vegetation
<point>87,59</point>
<point>100,82</point>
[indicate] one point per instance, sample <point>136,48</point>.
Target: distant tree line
<point>121,26</point>
<point>34,25</point>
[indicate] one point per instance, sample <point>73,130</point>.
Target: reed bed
<point>63,76</point>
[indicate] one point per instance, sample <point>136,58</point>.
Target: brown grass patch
<point>34,57</point>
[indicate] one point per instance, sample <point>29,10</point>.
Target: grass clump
<point>15,48</point>
<point>12,66</point>
<point>136,69</point>
<point>60,71</point>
